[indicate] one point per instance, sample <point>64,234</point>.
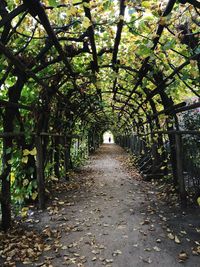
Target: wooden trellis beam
<point>164,82</point>
<point>91,36</point>
<point>144,68</point>
<point>117,43</point>
<point>195,3</point>
<point>12,15</point>
<point>35,8</point>
<point>119,32</point>
<point>173,109</point>
<point>21,67</point>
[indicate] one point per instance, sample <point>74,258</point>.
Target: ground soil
<point>111,217</point>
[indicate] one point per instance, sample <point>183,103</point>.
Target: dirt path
<point>108,222</point>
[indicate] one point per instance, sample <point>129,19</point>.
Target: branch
<point>163,82</point>
<point>144,68</point>
<point>36,9</point>
<point>194,3</point>
<point>12,15</point>
<point>91,36</point>
<point>118,33</point>
<point>20,66</point>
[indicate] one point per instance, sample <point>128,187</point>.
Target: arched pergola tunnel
<point>73,69</point>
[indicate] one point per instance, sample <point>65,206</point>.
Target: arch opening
<point>108,137</point>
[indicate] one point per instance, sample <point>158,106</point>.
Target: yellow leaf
<point>193,63</point>
<point>26,152</point>
<point>33,152</point>
<point>25,159</point>
<point>25,182</point>
<point>24,212</point>
<point>86,23</point>
<point>194,72</point>
<point>34,195</point>
<point>146,4</point>
<point>162,21</point>
<point>198,201</point>
<point>12,178</point>
<point>72,11</point>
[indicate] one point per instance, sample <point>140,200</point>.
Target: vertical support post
<point>56,156</point>
<point>66,159</point>
<point>93,141</point>
<point>179,162</point>
<point>5,194</point>
<point>40,172</point>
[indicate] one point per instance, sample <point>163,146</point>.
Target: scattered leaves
<point>21,245</point>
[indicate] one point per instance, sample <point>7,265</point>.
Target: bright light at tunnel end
<point>108,138</point>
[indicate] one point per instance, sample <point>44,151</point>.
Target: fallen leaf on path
<point>39,264</point>
<point>20,245</point>
<point>47,248</point>
<point>95,252</point>
<point>196,251</point>
<point>121,226</point>
<point>108,260</point>
<point>170,236</point>
<point>183,256</point>
<point>64,247</point>
<point>183,232</point>
<point>146,260</point>
<point>145,222</point>
<point>116,252</point>
<point>157,249</point>
<point>177,241</point>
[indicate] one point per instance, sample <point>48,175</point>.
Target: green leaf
<point>53,3</point>
<point>169,45</point>
<point>144,51</point>
<point>8,150</point>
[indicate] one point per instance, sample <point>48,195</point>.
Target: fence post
<point>179,164</point>
<point>56,156</point>
<point>66,159</point>
<point>40,172</point>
